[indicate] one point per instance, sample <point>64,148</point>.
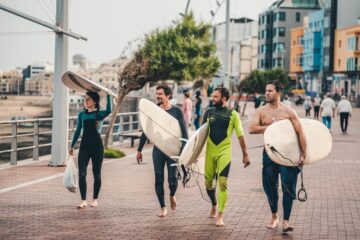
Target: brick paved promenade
<point>35,205</point>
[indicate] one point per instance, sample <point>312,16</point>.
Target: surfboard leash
<point>302,190</point>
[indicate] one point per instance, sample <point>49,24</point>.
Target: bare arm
<point>255,124</point>
<point>301,136</point>
<point>246,159</point>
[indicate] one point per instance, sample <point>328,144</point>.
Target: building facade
<point>275,26</point>
<point>10,82</point>
<point>40,84</point>
<point>346,80</point>
<point>313,52</point>
<point>243,46</point>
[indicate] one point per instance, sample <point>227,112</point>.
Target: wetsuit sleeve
<point>104,113</point>
<point>206,115</point>
<point>78,130</point>
<point>142,142</point>
<point>181,119</point>
<point>237,124</point>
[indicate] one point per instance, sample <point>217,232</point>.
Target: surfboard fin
<point>184,140</point>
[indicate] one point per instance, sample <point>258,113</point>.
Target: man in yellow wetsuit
<point>222,121</point>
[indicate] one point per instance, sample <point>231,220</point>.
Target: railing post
<point>36,140</point>
<point>71,129</point>
<point>121,139</point>
<point>111,133</point>
<point>13,160</point>
<point>131,120</point>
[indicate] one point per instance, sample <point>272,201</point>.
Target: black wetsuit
<point>160,159</point>
<point>91,146</point>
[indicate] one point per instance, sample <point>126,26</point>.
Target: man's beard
<point>217,104</point>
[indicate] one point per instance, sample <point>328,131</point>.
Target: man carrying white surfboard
<point>264,116</point>
<point>222,121</point>
<point>163,96</point>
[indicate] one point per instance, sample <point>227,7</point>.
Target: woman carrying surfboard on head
<point>222,121</point>
<point>264,116</point>
<point>160,159</point>
<point>89,122</point>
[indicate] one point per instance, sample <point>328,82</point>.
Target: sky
<point>108,24</point>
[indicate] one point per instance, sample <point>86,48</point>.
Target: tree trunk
<point>108,134</point>
<point>244,108</point>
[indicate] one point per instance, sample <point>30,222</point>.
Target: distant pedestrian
<point>197,109</point>
<point>344,109</point>
<point>187,108</point>
<point>257,100</point>
<point>286,101</point>
<point>327,109</point>
<point>307,106</point>
<point>316,104</point>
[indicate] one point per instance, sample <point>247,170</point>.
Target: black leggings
<point>95,151</point>
<point>344,118</point>
<point>159,160</point>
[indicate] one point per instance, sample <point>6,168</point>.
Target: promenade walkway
<point>35,205</point>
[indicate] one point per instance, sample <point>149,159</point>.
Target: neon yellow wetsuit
<point>222,121</point>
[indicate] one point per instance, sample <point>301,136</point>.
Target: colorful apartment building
<point>346,79</point>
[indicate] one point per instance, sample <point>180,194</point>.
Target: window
<point>339,62</point>
<point>352,44</point>
<point>339,43</point>
<point>279,32</point>
<point>352,64</point>
<point>279,47</point>
<point>277,62</point>
<point>299,59</point>
<point>263,19</point>
<point>265,48</point>
<point>298,17</point>
<point>268,19</point>
<point>280,16</point>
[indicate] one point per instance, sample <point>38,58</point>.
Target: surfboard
<point>193,154</point>
<point>160,127</point>
<point>282,136</point>
<point>81,84</point>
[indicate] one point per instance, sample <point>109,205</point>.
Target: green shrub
<point>113,153</point>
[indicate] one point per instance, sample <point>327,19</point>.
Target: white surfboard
<point>193,154</point>
<point>282,136</point>
<point>160,127</point>
<point>81,84</point>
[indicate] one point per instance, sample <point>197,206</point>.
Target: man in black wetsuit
<point>163,96</point>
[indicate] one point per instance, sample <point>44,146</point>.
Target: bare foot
<point>163,212</point>
<point>287,227</point>
<point>274,223</point>
<point>173,203</point>
<point>82,205</point>
<point>212,212</point>
<point>219,220</point>
<point>94,203</point>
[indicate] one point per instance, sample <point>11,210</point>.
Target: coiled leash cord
<point>301,195</point>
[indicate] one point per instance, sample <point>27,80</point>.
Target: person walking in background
<point>197,109</point>
<point>327,109</point>
<point>187,108</point>
<point>316,104</point>
<point>89,123</point>
<point>286,101</point>
<point>344,109</point>
<point>257,100</point>
<point>307,106</point>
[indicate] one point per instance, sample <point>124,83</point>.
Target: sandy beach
<point>27,106</point>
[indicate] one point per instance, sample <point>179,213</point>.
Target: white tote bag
<point>71,175</point>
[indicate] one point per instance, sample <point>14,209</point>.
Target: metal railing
<point>31,128</point>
